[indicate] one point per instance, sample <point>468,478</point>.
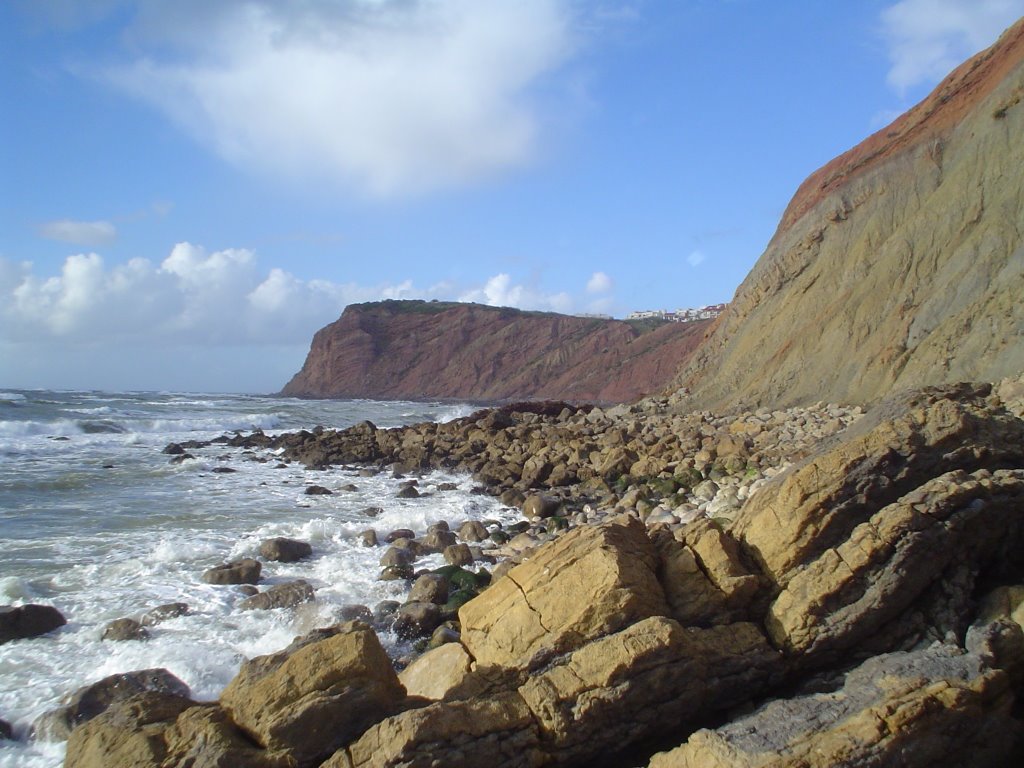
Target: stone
<point>205,736</point>
<point>318,490</point>
<point>537,505</point>
<point>936,706</point>
<point>397,556</point>
<point>6,732</point>
<point>437,672</point>
<point>120,630</point>
<point>417,619</point>
<point>408,492</point>
<point>25,621</point>
<point>400,533</point>
<point>437,540</point>
<point>286,595</point>
<point>472,531</point>
<point>163,613</point>
<point>316,695</point>
<point>458,554</point>
<point>94,699</point>
<point>368,538</point>
<point>284,550</point>
<point>244,571</point>
<point>590,582</point>
<point>429,588</point>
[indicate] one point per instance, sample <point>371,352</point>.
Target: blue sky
<point>189,190</point>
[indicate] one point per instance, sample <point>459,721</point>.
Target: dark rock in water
<point>318,490</point>
<point>447,487</point>
<point>458,554</point>
<point>437,540</point>
<point>284,550</point>
<point>417,619</point>
<point>350,487</point>
<point>102,428</point>
<point>60,439</point>
<point>408,492</point>
<point>223,470</point>
<point>5,730</point>
<point>397,556</point>
<point>244,571</point>
<point>400,533</point>
<point>163,613</point>
<point>280,596</point>
<point>396,572</point>
<point>248,590</point>
<point>88,702</point>
<point>28,621</point>
<point>368,537</point>
<point>173,449</point>
<point>181,458</point>
<point>429,588</point>
<point>372,511</point>
<point>355,612</point>
<point>124,629</point>
<point>384,612</point>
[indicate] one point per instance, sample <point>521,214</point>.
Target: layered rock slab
<point>937,706</point>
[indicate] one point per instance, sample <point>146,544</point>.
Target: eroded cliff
<point>899,263</point>
<point>427,350</point>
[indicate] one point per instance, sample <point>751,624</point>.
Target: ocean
<point>98,522</point>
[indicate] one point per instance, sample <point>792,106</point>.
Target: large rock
<point>437,672</point>
<point>591,582</point>
<point>25,621</point>
<point>92,700</point>
<point>318,694</point>
<point>244,571</point>
<point>280,549</point>
<point>931,707</point>
<point>285,595</point>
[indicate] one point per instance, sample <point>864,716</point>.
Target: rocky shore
<point>803,587</point>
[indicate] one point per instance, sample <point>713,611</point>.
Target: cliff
<point>430,350</point>
<point>899,263</point>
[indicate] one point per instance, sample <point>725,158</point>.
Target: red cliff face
<point>396,350</point>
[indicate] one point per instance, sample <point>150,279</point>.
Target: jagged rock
<point>162,613</point>
<point>120,630</point>
<point>92,700</point>
<point>285,550</point>
<point>920,709</point>
<point>317,694</point>
<point>244,571</point>
<point>25,621</point>
<point>286,595</point>
<point>205,736</point>
<point>590,582</point>
<point>437,672</point>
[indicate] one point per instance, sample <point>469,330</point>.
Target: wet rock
<point>318,490</point>
<point>285,550</point>
<point>429,588</point>
<point>244,571</point>
<point>368,538</point>
<point>408,492</point>
<point>397,573</point>
<point>417,619</point>
<point>437,540</point>
<point>397,556</point>
<point>223,470</point>
<point>538,505</point>
<point>385,611</point>
<point>472,531</point>
<point>163,612</point>
<point>458,554</point>
<point>6,732</point>
<point>400,533</point>
<point>92,700</point>
<point>317,694</point>
<point>371,511</point>
<point>280,596</point>
<point>120,630</point>
<point>355,612</point>
<point>25,621</point>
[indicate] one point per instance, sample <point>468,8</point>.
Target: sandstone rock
<point>205,736</point>
<point>537,505</point>
<point>589,583</point>
<point>316,695</point>
<point>25,621</point>
<point>120,630</point>
<point>92,700</point>
<point>920,709</point>
<point>437,672</point>
<point>285,595</point>
<point>244,571</point>
<point>284,550</point>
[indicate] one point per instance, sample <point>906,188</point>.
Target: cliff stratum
<point>427,350</point>
<point>897,264</point>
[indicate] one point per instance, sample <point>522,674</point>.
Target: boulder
<point>285,595</point>
<point>538,505</point>
<point>591,582</point>
<point>437,540</point>
<point>120,630</point>
<point>458,554</point>
<point>162,613</point>
<point>316,695</point>
<point>92,700</point>
<point>25,621</point>
<point>437,672</point>
<point>284,550</point>
<point>244,571</point>
<point>473,531</point>
<point>429,588</point>
<point>937,706</point>
<point>318,490</point>
<point>417,619</point>
<point>206,736</point>
<point>6,732</point>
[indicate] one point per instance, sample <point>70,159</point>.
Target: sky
<point>189,190</point>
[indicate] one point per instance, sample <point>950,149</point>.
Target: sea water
<point>98,522</point>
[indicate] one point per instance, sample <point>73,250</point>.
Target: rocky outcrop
<point>402,350</point>
<point>898,264</point>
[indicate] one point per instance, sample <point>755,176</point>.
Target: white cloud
<point>599,282</point>
<point>390,97</point>
<point>696,258</point>
<point>500,291</point>
<point>87,233</point>
<point>929,38</point>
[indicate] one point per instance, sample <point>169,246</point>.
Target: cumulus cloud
<point>928,38</point>
<point>599,282</point>
<point>391,97</point>
<point>500,291</point>
<point>88,233</point>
